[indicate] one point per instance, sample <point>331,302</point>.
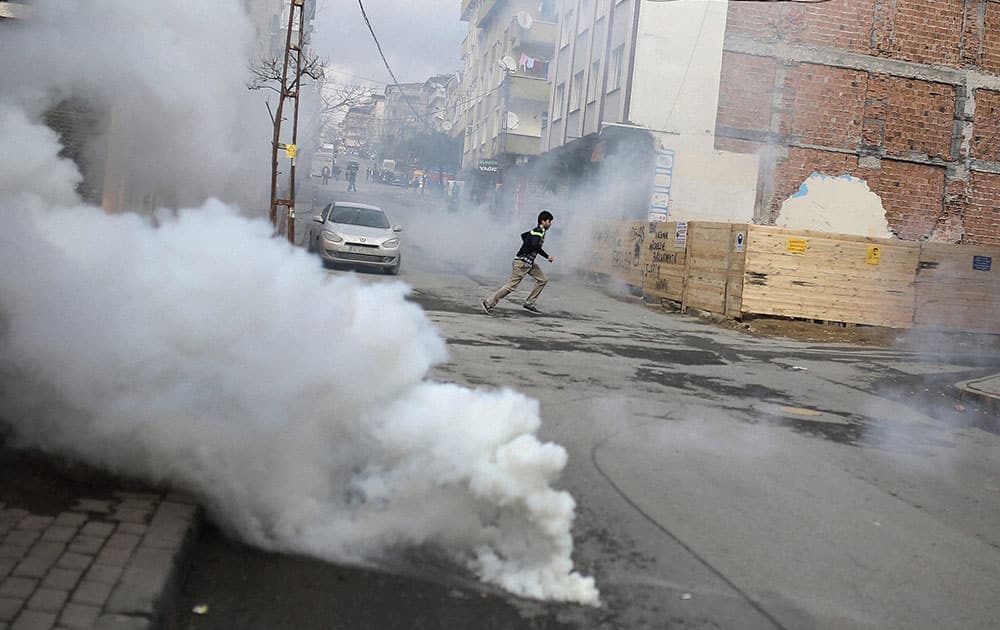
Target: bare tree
<point>285,75</point>
<point>337,99</point>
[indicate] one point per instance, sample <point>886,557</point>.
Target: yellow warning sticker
<point>874,255</point>
<point>797,245</point>
<point>291,150</point>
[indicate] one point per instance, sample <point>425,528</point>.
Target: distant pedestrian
<point>326,175</point>
<point>524,264</point>
<point>352,176</point>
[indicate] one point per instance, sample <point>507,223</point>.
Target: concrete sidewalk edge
<point>984,391</point>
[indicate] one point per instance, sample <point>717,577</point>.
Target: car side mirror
<point>317,218</point>
<point>397,228</point>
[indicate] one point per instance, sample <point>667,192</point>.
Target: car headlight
<point>333,237</point>
<point>392,243</point>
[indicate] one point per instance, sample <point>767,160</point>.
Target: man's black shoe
<point>487,307</point>
<point>532,308</point>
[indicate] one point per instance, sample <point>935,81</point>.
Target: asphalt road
<point>722,480</point>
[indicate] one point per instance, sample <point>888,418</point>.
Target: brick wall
<point>877,89</point>
<point>752,77</point>
<point>981,221</point>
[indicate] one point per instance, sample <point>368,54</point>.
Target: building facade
<point>505,88</point>
<point>633,79</point>
<point>902,97</point>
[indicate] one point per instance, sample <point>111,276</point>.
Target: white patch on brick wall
<point>843,204</point>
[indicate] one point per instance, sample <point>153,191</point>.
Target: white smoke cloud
<point>32,163</point>
<point>177,352</point>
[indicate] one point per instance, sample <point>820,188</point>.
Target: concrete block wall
<point>904,94</point>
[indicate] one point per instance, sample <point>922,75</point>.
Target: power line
<point>355,76</point>
<point>395,81</point>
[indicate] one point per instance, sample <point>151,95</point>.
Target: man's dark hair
<point>544,215</point>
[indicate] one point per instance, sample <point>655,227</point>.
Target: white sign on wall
<point>663,172</point>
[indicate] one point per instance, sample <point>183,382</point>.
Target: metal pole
<point>276,136</point>
<point>295,117</point>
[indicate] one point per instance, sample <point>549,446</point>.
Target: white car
<point>356,234</point>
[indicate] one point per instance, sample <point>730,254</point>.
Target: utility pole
<point>288,92</point>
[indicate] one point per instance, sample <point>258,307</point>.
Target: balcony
<point>519,143</point>
<point>527,88</point>
<point>537,41</point>
<point>476,11</point>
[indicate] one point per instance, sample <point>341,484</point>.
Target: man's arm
<point>536,244</point>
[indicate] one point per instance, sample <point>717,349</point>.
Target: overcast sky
<point>420,38</point>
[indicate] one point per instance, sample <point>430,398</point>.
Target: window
<point>566,29</point>
<point>585,14</point>
<point>558,104</point>
<point>576,96</point>
<point>617,64</point>
<point>595,80</point>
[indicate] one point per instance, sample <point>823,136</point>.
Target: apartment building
<point>505,90</point>
<point>633,79</point>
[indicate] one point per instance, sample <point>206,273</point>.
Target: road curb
<point>975,391</point>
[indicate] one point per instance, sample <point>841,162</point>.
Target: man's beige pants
<point>521,269</point>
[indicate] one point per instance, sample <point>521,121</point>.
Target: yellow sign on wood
<point>291,150</point>
<point>797,245</point>
<point>874,255</point>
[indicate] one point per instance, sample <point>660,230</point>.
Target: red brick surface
<point>745,103</point>
<point>902,128</point>
<point>922,31</point>
<point>912,194</point>
<point>985,143</point>
<point>920,118</point>
<point>826,104</point>
<point>991,38</point>
<point>981,218</point>
<point>845,24</point>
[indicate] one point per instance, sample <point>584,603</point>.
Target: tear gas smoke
<point>205,353</point>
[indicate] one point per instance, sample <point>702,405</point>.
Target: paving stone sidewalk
<point>103,563</point>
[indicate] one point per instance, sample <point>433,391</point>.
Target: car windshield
<point>365,217</point>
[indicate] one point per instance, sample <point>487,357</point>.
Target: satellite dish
<point>524,20</point>
<point>508,63</point>
<point>446,125</point>
<point>512,121</point>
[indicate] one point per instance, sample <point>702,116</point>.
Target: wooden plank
<point>714,267</point>
<point>816,275</point>
<point>616,250</point>
<point>952,294</point>
<point>663,264</point>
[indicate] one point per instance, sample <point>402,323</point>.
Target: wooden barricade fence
<point>833,277</point>
<point>664,262</point>
<point>736,268</point>
<point>715,263</point>
<point>618,250</point>
<point>958,288</point>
